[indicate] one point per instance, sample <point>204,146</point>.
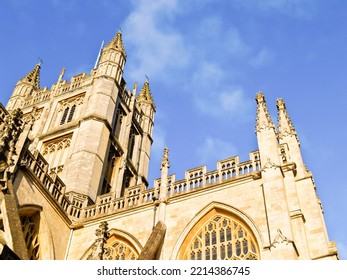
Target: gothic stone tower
<point>92,124</point>
<point>90,136</point>
<point>73,171</point>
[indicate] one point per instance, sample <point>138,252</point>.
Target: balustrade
<point>228,170</point>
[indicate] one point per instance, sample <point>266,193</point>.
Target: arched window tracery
<point>30,227</point>
<point>221,237</point>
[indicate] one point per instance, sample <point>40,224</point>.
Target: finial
<point>260,97</point>
<point>165,160</point>
<point>147,79</point>
<point>40,61</point>
<point>280,104</point>
<point>135,87</point>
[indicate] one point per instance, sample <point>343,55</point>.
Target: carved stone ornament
<point>263,119</point>
<point>99,251</point>
<point>285,125</point>
<point>280,239</point>
<point>269,165</point>
<point>165,160</point>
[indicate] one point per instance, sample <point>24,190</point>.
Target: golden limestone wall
<point>52,226</point>
<point>267,219</point>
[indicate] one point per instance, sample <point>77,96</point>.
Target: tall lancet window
<point>63,118</point>
<point>30,227</point>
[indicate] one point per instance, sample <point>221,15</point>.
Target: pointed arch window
<point>121,251</point>
<point>63,118</point>
<point>68,114</point>
<point>30,227</point>
<point>222,238</point>
<point>72,111</point>
<point>116,248</point>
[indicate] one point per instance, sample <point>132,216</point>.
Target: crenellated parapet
<point>42,95</point>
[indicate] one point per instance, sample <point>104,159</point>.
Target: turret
<point>145,105</point>
<point>24,88</point>
<point>97,123</point>
<point>112,59</point>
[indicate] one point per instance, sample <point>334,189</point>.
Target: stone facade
<point>74,166</point>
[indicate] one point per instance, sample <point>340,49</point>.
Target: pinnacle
<point>33,77</point>
<point>165,160</point>
<point>145,94</point>
<point>285,125</point>
<point>263,116</point>
<point>117,43</point>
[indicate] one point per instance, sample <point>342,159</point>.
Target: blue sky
<point>206,60</point>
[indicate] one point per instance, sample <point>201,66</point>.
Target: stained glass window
<point>222,238</point>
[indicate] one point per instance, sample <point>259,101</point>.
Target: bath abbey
<point>74,160</point>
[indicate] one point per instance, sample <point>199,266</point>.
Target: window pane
<point>245,246</point>
<point>207,239</point>
<point>208,256</point>
<point>62,121</point>
<point>222,235</point>
<point>228,234</point>
<point>238,248</point>
<point>222,253</point>
<point>214,253</point>
<point>230,250</point>
<point>214,238</point>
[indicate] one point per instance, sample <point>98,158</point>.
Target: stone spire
<point>33,77</point>
<point>285,125</point>
<point>145,95</point>
<point>266,133</point>
<point>117,43</point>
<point>263,117</point>
<point>287,135</point>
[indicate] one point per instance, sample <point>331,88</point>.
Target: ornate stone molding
<point>282,239</point>
<point>263,119</point>
<point>165,160</point>
<point>100,252</point>
<point>285,125</point>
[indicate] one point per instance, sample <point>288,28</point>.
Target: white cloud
<point>303,9</point>
<point>232,100</point>
<point>214,96</point>
<point>159,143</point>
<point>156,47</point>
<point>262,58</point>
<point>213,149</point>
